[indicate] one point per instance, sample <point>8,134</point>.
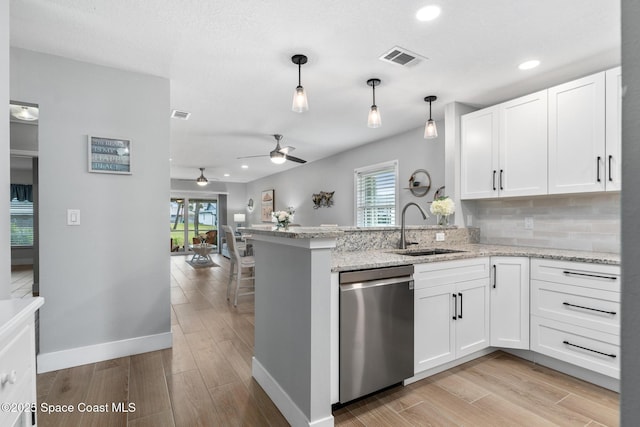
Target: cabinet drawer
<point>597,276</point>
<point>15,354</point>
<point>447,272</point>
<point>594,350</point>
<point>580,306</point>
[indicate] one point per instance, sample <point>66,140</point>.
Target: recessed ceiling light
<point>527,65</point>
<point>428,13</point>
<point>245,166</point>
<point>226,174</point>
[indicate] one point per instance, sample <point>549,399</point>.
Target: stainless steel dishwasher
<point>376,329</point>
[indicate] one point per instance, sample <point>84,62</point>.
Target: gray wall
<point>630,404</point>
<point>24,136</point>
<point>295,187</point>
<point>5,233</point>
<point>107,279</point>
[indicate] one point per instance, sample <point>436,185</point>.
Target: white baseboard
<point>63,359</point>
<point>281,399</point>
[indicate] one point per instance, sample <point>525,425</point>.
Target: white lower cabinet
<point>575,313</point>
<point>510,302</point>
<point>451,311</point>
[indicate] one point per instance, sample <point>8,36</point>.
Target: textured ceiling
<point>229,63</point>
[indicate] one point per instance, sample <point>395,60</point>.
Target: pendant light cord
<point>299,79</point>
<point>373,86</point>
<point>429,110</point>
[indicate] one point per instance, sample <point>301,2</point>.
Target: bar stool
<point>237,264</point>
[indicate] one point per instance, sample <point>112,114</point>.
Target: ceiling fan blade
<point>249,157</point>
<point>287,149</point>
<point>294,159</point>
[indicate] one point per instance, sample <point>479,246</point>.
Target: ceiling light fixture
<point>245,166</point>
<point>202,181</point>
<point>374,120</point>
<point>428,13</point>
<point>23,112</point>
<point>277,157</point>
<point>227,174</point>
<point>300,103</point>
<point>430,130</point>
<point>528,65</point>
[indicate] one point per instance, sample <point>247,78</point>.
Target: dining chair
<point>238,263</point>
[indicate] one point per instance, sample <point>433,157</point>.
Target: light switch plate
<point>73,216</point>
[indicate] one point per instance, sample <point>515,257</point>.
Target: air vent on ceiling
<point>182,115</point>
<point>401,56</point>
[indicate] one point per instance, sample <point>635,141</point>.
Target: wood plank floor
<point>205,379</point>
<point>21,281</point>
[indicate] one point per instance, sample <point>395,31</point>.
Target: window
<point>21,215</point>
<point>376,194</point>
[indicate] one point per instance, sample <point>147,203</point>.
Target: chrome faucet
<point>403,242</point>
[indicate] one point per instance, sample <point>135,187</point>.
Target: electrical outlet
<point>439,237</point>
<point>528,223</point>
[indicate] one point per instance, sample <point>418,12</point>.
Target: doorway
<point>24,199</point>
<point>192,221</point>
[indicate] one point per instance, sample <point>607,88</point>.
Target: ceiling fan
<point>279,154</point>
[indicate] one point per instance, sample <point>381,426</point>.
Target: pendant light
<point>430,130</point>
<point>202,181</point>
<point>374,120</point>
<point>300,103</point>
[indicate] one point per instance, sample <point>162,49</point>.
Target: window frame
<point>358,172</point>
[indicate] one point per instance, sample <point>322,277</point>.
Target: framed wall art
<point>109,155</point>
<point>267,203</point>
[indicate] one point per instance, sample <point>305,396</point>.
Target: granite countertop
<point>296,232</point>
<point>345,261</point>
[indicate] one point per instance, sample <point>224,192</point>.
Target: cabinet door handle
<point>613,313</point>
<point>460,315</point>
<point>455,306</point>
<point>501,173</point>
<point>610,177</point>
<point>494,180</point>
<point>598,169</point>
<point>588,349</point>
<point>590,275</point>
<point>495,278</point>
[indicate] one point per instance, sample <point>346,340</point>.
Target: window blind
<point>376,195</point>
<point>21,215</point>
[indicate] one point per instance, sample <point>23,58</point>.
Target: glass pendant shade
<point>374,120</point>
<point>300,103</point>
<point>202,181</point>
<point>430,130</point>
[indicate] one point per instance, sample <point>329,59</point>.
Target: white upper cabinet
<point>613,128</point>
<point>561,140</point>
<point>479,154</point>
<point>504,149</point>
<point>577,136</point>
<point>523,146</point>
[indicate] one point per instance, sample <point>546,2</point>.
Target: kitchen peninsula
<point>297,299</point>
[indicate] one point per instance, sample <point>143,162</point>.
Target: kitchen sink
<point>427,252</point>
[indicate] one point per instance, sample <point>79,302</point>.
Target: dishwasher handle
<point>374,283</point>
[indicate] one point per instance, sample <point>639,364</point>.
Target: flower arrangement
<point>443,207</point>
<point>283,218</point>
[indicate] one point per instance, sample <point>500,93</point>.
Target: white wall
<point>5,233</point>
<point>295,187</point>
<point>106,280</point>
<point>630,409</point>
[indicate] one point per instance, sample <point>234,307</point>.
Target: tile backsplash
<point>589,222</point>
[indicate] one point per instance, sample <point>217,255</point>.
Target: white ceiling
<point>229,63</point>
